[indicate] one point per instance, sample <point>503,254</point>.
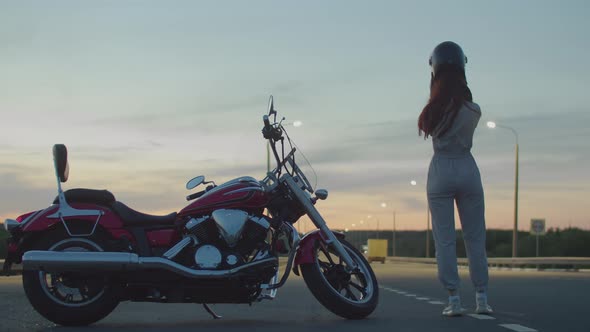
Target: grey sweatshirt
<point>458,139</point>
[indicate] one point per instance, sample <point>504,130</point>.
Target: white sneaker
<point>454,307</point>
<point>482,306</point>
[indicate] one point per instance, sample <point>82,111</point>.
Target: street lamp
<point>414,183</point>
<point>492,125</point>
<point>384,205</point>
<point>377,228</point>
<point>295,124</point>
<point>362,236</point>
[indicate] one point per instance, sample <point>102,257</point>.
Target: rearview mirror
<point>194,182</point>
<point>271,106</point>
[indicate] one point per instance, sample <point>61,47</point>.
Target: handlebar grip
<point>266,121</point>
<point>195,195</point>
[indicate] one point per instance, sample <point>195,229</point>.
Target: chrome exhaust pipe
<point>63,261</point>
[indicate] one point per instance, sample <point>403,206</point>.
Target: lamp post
<point>492,125</point>
<point>353,237</point>
<point>384,205</point>
<point>377,228</point>
<point>414,183</point>
<point>361,237</point>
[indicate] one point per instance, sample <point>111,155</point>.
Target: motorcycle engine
<point>227,238</point>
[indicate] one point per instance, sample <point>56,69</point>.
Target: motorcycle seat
<point>131,217</point>
<point>81,195</point>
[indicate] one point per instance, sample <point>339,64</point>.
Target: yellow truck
<point>377,250</point>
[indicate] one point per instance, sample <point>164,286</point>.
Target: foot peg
<point>210,311</point>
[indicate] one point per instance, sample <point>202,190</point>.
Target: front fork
<point>319,222</point>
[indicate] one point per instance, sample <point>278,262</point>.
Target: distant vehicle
<point>377,250</point>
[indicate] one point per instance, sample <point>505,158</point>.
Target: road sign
<point>538,226</point>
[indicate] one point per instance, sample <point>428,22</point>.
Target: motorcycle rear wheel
<point>349,295</point>
<point>70,299</point>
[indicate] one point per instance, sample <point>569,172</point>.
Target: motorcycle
<point>87,252</point>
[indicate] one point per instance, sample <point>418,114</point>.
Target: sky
<point>148,94</point>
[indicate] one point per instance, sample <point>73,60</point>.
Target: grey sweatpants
<point>456,179</point>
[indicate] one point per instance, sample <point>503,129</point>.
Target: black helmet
<point>447,53</point>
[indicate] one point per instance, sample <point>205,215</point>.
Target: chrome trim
<point>65,210</point>
<point>80,234</point>
<point>10,224</point>
<point>76,240</point>
<point>304,198</point>
<point>260,221</point>
<point>294,249</point>
<point>172,252</point>
<point>244,179</point>
<point>230,224</point>
<point>231,259</point>
<point>257,188</point>
<point>194,222</point>
<point>56,261</point>
<point>272,293</point>
<point>57,285</point>
<point>261,255</point>
<point>208,257</point>
<point>50,261</point>
<point>194,182</point>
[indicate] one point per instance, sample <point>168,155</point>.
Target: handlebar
<point>195,195</point>
<point>271,132</point>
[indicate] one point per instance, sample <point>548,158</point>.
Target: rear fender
<point>28,234</point>
<point>42,222</point>
<point>305,251</point>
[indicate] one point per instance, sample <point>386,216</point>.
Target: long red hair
<point>448,92</point>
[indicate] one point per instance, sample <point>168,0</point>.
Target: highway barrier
<point>538,262</point>
<point>541,263</point>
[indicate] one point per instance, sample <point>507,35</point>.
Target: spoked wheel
<point>69,298</point>
<point>349,294</point>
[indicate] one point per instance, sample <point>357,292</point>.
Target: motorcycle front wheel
<point>351,295</point>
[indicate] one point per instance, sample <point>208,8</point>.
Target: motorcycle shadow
<point>223,325</point>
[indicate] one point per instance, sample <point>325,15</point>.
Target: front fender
<point>305,251</point>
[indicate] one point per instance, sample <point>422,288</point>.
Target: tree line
<point>567,242</point>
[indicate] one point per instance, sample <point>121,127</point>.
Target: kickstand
<point>209,310</point>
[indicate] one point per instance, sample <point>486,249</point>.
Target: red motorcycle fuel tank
<point>244,193</point>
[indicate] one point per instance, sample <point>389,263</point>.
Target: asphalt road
<point>410,300</point>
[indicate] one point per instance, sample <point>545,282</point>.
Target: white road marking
<point>390,289</point>
<point>483,317</point>
<point>513,327</point>
<point>518,328</point>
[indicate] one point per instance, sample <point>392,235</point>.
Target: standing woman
<point>450,117</point>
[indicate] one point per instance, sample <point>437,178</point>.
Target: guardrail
<point>573,262</point>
